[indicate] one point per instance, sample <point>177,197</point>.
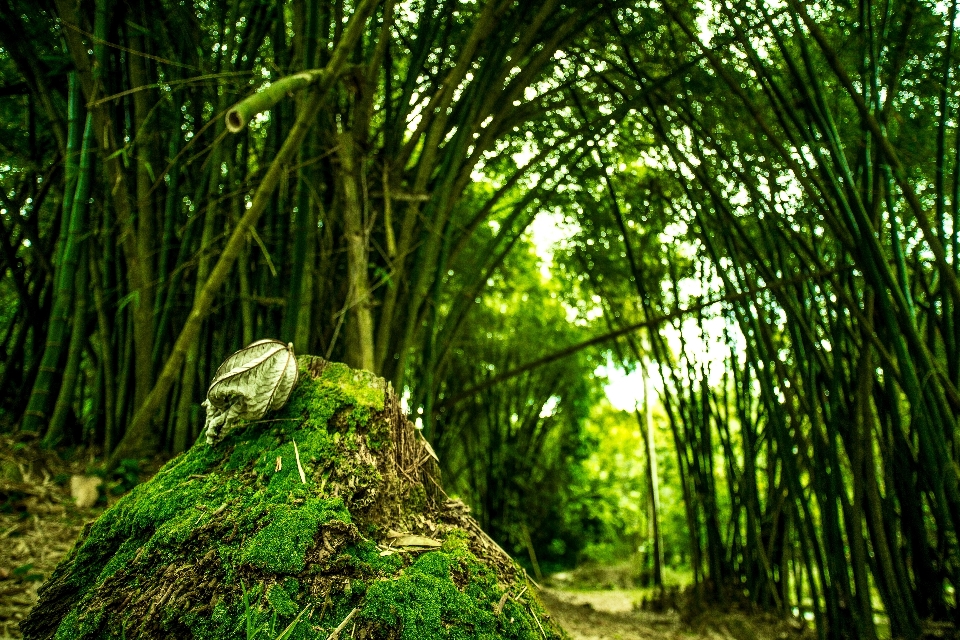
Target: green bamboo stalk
<point>183,427</point>
<point>360,347</point>
<point>936,401</point>
<point>78,339</point>
<point>106,356</point>
<point>165,273</point>
<point>430,134</point>
<point>948,274</point>
<point>240,114</point>
<point>758,351</point>
<point>41,397</point>
<point>144,143</point>
<point>137,267</point>
<point>304,235</point>
<point>653,480</point>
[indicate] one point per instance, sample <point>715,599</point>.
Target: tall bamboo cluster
<point>146,234</point>
<point>809,159</point>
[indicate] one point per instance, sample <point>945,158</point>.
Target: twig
<point>9,531</point>
<point>296,452</point>
<point>532,581</point>
<point>503,600</point>
<point>336,632</point>
<point>290,627</point>
<point>538,622</point>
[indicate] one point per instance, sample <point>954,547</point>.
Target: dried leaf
<point>252,381</point>
<point>427,447</point>
<point>416,541</point>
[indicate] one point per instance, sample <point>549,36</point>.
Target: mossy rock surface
<point>226,541</point>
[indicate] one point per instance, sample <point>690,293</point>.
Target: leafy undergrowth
<point>327,515</point>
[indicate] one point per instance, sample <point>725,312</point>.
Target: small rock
<point>85,490</point>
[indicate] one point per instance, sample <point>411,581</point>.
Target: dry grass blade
<point>296,453</point>
<point>290,627</point>
<point>346,621</point>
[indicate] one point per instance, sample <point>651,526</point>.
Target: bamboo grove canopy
<point>369,196</point>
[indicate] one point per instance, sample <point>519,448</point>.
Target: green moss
<point>361,388</point>
<point>281,602</point>
<point>447,593</point>
<point>424,603</point>
<point>281,546</point>
<point>123,556</point>
<point>339,388</point>
<point>221,615</point>
<point>70,627</point>
<point>372,563</point>
<point>247,451</point>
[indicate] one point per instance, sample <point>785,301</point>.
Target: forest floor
<point>46,500</point>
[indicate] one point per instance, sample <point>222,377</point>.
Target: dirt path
<point>600,615</point>
<point>611,615</point>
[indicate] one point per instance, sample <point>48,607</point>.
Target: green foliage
<point>798,163</point>
<point>125,476</point>
<point>606,500</point>
<point>23,573</point>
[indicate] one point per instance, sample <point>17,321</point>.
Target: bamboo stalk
<point>240,114</point>
<point>42,400</point>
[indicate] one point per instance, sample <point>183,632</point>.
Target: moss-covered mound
<point>228,541</point>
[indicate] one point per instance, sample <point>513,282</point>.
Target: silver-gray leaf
<point>252,381</point>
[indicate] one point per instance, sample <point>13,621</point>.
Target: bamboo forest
<point>669,288</point>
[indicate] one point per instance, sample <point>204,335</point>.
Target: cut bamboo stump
<point>326,518</point>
